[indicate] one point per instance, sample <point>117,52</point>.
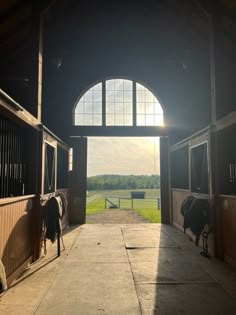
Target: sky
<point>123,156</point>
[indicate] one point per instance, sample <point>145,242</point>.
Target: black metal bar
<point>20,163</point>
<point>18,190</point>
<point>17,164</point>
<point>8,128</point>
<point>1,156</point>
<point>9,162</point>
<point>14,162</point>
<point>11,174</point>
<point>58,243</point>
<point>23,163</point>
<point>4,159</point>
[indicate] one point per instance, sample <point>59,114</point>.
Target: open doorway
<point>115,110</point>
<point>123,180</point>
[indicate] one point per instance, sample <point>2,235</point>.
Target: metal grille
<point>12,164</point>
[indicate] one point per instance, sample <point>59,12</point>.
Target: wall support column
<point>35,75</point>
<point>165,183</point>
<point>78,182</point>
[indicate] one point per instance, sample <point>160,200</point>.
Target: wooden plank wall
<point>228,216</point>
<point>17,241</point>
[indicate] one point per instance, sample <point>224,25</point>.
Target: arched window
<point>88,111</point>
<point>118,102</point>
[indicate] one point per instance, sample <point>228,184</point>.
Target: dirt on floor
<point>115,216</point>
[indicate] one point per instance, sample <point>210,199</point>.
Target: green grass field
<point>96,206</point>
<point>124,193</point>
<point>146,208</point>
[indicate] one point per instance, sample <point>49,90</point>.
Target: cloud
<point>123,156</point>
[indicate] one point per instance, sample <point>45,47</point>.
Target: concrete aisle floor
<point>124,269</point>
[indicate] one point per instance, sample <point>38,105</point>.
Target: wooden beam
<point>36,61</point>
<point>226,121</point>
<point>118,131</point>
<point>201,8</point>
<point>165,181</point>
<point>77,186</point>
<point>212,69</point>
<point>11,55</point>
<point>14,30</point>
<point>14,43</point>
<point>14,110</point>
<point>13,10</point>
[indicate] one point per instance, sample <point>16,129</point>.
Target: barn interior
<point>53,51</point>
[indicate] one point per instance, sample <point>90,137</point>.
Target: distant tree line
<point>107,182</point>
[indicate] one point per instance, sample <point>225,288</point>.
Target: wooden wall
<point>17,246</point>
<point>227,208</point>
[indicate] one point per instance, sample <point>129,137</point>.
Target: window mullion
<point>103,103</point>
<point>134,104</point>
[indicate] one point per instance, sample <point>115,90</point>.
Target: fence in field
<point>132,203</point>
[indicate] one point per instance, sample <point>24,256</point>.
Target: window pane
<point>81,100</point>
<point>88,97</point>
<point>128,96</point>
<point>109,120</point>
<point>110,108</point>
<point>128,85</point>
<point>158,109</point>
<point>78,119</point>
<point>140,108</point>
<point>97,87</point>
<point>150,120</point>
<point>97,108</point>
<point>88,108</point>
<point>119,108</point>
<point>119,84</point>
<point>79,108</point>
<point>97,120</point>
<point>140,120</point>
<point>88,120</point>
<point>149,108</point>
<point>119,120</point>
<point>97,96</point>
<point>140,87</point>
<point>128,108</point>
<point>159,120</point>
<point>119,96</point>
<point>110,96</point>
<point>149,96</point>
<point>128,120</point>
<point>110,85</point>
<point>140,96</point>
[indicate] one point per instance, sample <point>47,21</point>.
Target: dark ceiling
<point>164,44</point>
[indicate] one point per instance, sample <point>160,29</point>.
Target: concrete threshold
<point>123,269</point>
